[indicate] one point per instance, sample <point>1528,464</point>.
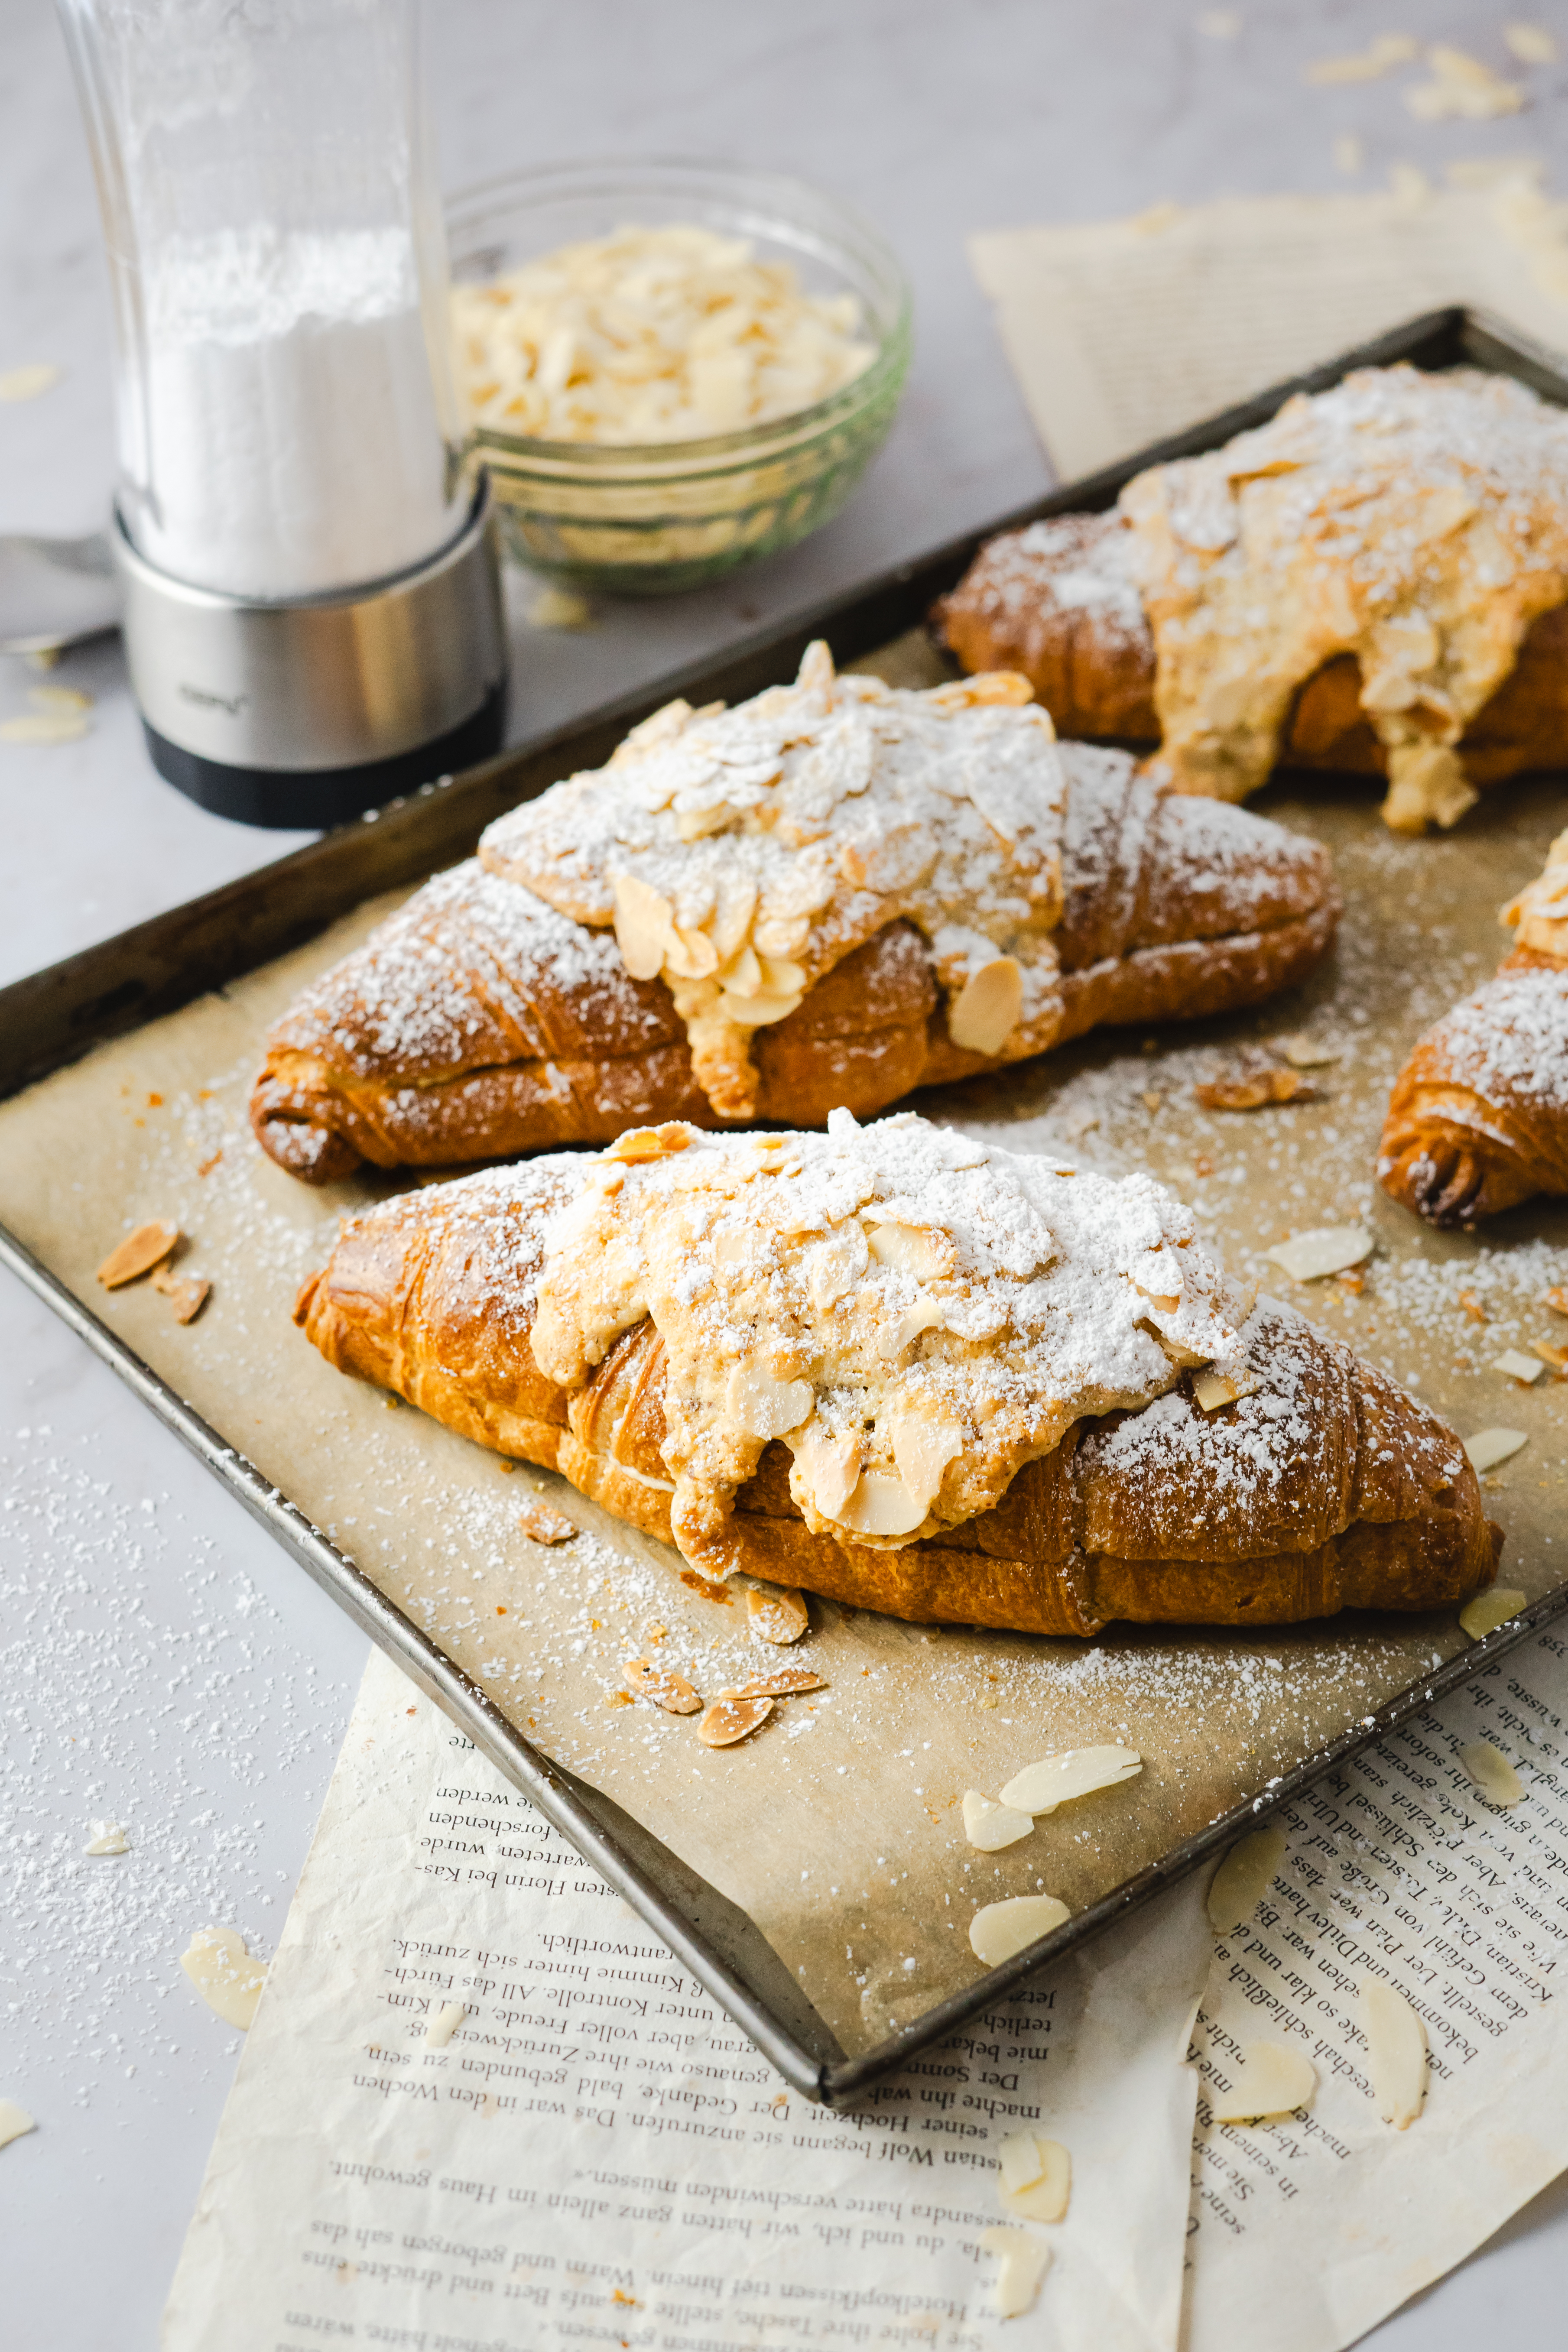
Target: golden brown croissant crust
<point>1057,602</point>
<point>1477,1120</point>
<point>478,1024</point>
<point>1326,1488</point>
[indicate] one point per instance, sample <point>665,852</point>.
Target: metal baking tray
<point>54,1016</point>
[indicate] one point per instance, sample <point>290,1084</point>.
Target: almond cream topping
<point>915,1315</point>
<point>1418,523</point>
<point>740,854</point>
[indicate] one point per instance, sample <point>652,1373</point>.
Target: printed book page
<point>1397,1868</point>
<point>594,2155</point>
<point>1119,332</point>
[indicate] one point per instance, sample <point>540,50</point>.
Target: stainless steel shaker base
<point>300,800</point>
<point>306,712</point>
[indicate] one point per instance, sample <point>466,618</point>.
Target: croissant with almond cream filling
<point>910,1372</point>
<point>1374,581</point>
<point>834,894</point>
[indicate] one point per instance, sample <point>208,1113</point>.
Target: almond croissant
<point>1308,1484</point>
<point>830,895</point>
<point>1373,582</point>
<point>1477,1120</point>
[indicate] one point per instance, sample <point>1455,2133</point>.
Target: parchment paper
<point>596,2156</point>
<point>837,1827</point>
<point>1120,331</point>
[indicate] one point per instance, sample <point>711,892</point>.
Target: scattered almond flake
<point>1462,86</point>
<point>1472,1306</point>
<point>1020,2160</point>
<point>740,854</point>
<point>730,1719</point>
<point>1212,1390</point>
<point>1252,1091</point>
<point>989,1826</point>
<point>1490,1446</point>
<point>1328,1249</point>
<point>1349,153</point>
<point>1554,1358</point>
<point>1492,1773</point>
<point>780,1616</point>
<point>1557,1300</point>
<point>108,1837</point>
<point>545,1525</point>
<point>1396,2051</point>
<point>223,1973</point>
<point>1524,1369</point>
<point>652,334</point>
<point>27,383</point>
<point>1071,1772</point>
<point>1388,50</point>
<point>1025,2260</point>
<point>788,1680</point>
<point>1306,1053</point>
<point>1045,2195</point>
<point>668,1689</point>
<point>559,608</point>
<point>907,1402</point>
<point>59,697</point>
<point>1532,44</point>
<point>1243,1878</point>
<point>138,1254</point>
<point>44,727</point>
<point>1270,2081</point>
<point>1151,1100</point>
<point>444,2024</point>
<point>999,1929</point>
<point>1492,1608</point>
<point>13,2122</point>
<point>187,1294</point>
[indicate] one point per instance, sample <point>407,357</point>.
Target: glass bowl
<point>648,520</point>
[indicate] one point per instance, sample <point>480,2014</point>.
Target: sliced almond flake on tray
<point>730,1719</point>
<point>138,1254</point>
<point>779,1686</point>
<point>999,1929</point>
<point>1518,1366</point>
<point>1490,1609</point>
<point>1074,1773</point>
<point>187,1294</point>
<point>781,1616</point>
<point>1327,1249</point>
<point>1257,1089</point>
<point>545,1525</point>
<point>662,1684</point>
<point>1489,1447</point>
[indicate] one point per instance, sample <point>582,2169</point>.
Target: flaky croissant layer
<point>1321,1486</point>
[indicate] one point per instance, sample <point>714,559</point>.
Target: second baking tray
<point>817,1883</point>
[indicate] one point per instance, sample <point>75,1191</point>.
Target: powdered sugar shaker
<point>312,607</point>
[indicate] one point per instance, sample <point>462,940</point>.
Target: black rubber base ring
<point>311,799</point>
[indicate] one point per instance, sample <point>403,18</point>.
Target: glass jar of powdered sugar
<point>312,609</point>
<point>285,411</point>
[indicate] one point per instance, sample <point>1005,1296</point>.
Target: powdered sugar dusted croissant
<point>831,895</point>
<point>912,1372</point>
<point>1374,582</point>
<point>1477,1120</point>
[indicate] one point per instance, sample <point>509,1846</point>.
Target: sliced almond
<point>1020,2160</point>
<point>1256,1090</point>
<point>1489,1447</point>
<point>1025,2260</point>
<point>1492,1773</point>
<point>106,1838</point>
<point>1328,1249</point>
<point>443,2023</point>
<point>223,1973</point>
<point>999,1929</point>
<point>924,1252</point>
<point>1243,1878</point>
<point>187,1294</point>
<point>989,1826</point>
<point>1072,1772</point>
<point>783,1685</point>
<point>1396,2052</point>
<point>830,1468</point>
<point>765,1407</point>
<point>985,1013</point>
<point>882,1505</point>
<point>730,1719</point>
<point>1489,1610</point>
<point>1518,1366</point>
<point>778,1616</point>
<point>1557,1300</point>
<point>835,1267</point>
<point>1554,1358</point>
<point>545,1525</point>
<point>640,1143</point>
<point>1270,2081</point>
<point>905,1329</point>
<point>644,930</point>
<point>662,1684</point>
<point>138,1254</point>
<point>1044,2197</point>
<point>14,2121</point>
<point>924,1444</point>
<point>1211,1389</point>
<point>1302,1053</point>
